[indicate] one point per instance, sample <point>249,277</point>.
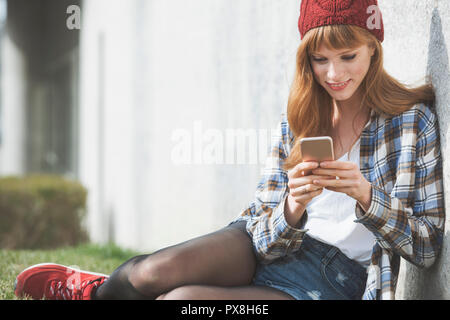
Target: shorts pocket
<point>346,284</point>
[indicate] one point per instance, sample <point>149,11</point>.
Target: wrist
<point>366,198</point>
<point>293,211</point>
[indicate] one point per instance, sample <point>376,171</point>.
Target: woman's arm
<point>414,228</point>
<point>272,235</point>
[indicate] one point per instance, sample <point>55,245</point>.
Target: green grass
<point>102,259</point>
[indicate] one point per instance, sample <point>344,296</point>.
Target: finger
<point>344,165</point>
<point>306,167</point>
<point>338,183</point>
<point>341,190</point>
<point>304,199</point>
<point>301,167</point>
<point>298,182</point>
<point>335,189</point>
<point>304,190</point>
<point>334,172</point>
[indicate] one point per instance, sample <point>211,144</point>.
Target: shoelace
<point>61,290</point>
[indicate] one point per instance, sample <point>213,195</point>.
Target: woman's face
<point>341,72</point>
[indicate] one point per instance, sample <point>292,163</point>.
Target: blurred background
<point>162,110</point>
<point>111,101</point>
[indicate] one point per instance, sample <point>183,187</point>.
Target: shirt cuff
<point>291,236</point>
<point>378,213</point>
<point>239,219</point>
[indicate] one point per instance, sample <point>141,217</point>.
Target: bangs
<point>336,37</point>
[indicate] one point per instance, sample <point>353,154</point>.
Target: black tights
<point>222,258</point>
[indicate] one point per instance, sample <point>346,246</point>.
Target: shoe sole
<point>71,269</point>
<point>63,266</point>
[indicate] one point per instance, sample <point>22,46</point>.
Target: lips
<point>339,85</point>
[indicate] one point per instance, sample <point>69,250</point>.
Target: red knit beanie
<point>363,13</point>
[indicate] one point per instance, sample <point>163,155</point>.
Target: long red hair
<point>310,107</point>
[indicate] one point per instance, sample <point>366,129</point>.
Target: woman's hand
<point>301,190</point>
<point>350,180</point>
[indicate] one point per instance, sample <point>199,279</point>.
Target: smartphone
<point>317,149</point>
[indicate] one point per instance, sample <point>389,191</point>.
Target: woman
<point>334,230</point>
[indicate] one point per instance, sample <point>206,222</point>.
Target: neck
<point>347,110</point>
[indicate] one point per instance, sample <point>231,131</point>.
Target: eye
<point>347,58</point>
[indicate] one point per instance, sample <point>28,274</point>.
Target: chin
<point>340,96</point>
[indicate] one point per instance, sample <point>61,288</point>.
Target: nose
<point>334,72</point>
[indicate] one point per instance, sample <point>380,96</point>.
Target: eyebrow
<point>338,54</point>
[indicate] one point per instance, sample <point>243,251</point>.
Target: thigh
<point>221,258</point>
<point>202,292</point>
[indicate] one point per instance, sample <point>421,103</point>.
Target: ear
<point>371,50</point>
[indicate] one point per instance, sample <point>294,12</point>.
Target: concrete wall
<point>163,81</point>
<point>417,44</point>
<point>13,88</point>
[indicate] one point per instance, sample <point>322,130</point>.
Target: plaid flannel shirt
<point>400,156</point>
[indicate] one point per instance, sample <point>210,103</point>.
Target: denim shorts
<point>317,271</point>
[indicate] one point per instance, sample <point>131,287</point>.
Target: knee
<point>181,293</point>
<point>150,272</point>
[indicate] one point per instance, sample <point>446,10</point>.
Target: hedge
<point>41,211</point>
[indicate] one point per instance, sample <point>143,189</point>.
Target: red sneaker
<point>57,282</point>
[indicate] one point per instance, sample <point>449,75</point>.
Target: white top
<point>331,218</point>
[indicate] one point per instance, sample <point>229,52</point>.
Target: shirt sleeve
<point>412,227</point>
<point>272,236</point>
